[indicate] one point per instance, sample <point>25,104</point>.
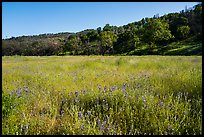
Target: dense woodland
<point>145,37</point>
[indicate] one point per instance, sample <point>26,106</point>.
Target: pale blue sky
<point>33,18</point>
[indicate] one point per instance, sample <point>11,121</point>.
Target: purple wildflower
<point>98,122</point>
<point>104,88</point>
<point>101,128</point>
<point>12,92</point>
<point>160,102</point>
<point>108,118</point>
<point>123,90</point>
<point>18,92</point>
<point>25,128</point>
<point>82,127</point>
<point>108,130</point>
<point>104,123</point>
<point>185,112</point>
<point>169,105</point>
<point>71,93</point>
<point>80,115</point>
<point>62,112</point>
<point>104,101</point>
<point>23,115</point>
<point>187,93</point>
<point>77,93</point>
<point>114,87</point>
<point>114,133</point>
<point>179,93</point>
<point>88,113</point>
<point>144,101</point>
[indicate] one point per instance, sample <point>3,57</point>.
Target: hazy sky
<point>33,18</point>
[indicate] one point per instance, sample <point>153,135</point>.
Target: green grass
<point>134,95</point>
<point>189,46</point>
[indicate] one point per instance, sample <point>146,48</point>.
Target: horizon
<point>36,18</point>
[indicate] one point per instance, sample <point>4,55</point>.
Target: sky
<point>34,18</point>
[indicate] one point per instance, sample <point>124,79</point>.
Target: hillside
<point>171,34</point>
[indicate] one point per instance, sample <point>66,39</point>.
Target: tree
<point>156,31</point>
<point>73,44</point>
<point>127,42</point>
<point>107,27</point>
<point>107,39</point>
<point>183,32</point>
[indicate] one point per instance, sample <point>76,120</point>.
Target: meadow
<point>102,95</point>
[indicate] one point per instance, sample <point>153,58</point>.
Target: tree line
<point>148,33</point>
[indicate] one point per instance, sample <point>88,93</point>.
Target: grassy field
<point>113,95</point>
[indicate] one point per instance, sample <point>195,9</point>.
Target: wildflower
<point>108,130</point>
<point>104,88</point>
<point>77,93</point>
<point>101,128</point>
<point>88,113</point>
<point>104,123</point>
<point>107,106</point>
<point>61,112</point>
<point>80,115</point>
<point>23,115</point>
<point>123,90</point>
<point>114,87</point>
<point>71,93</point>
<point>82,127</point>
<point>169,105</point>
<point>179,93</point>
<point>185,112</point>
<point>12,92</point>
<point>98,122</point>
<point>169,127</point>
<point>144,101</point>
<point>108,118</point>
<point>187,93</point>
<point>114,133</point>
<point>18,92</point>
<point>160,102</point>
<point>25,128</point>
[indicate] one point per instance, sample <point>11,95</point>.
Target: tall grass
<point>107,95</point>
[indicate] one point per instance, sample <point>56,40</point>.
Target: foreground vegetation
<point>107,95</point>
